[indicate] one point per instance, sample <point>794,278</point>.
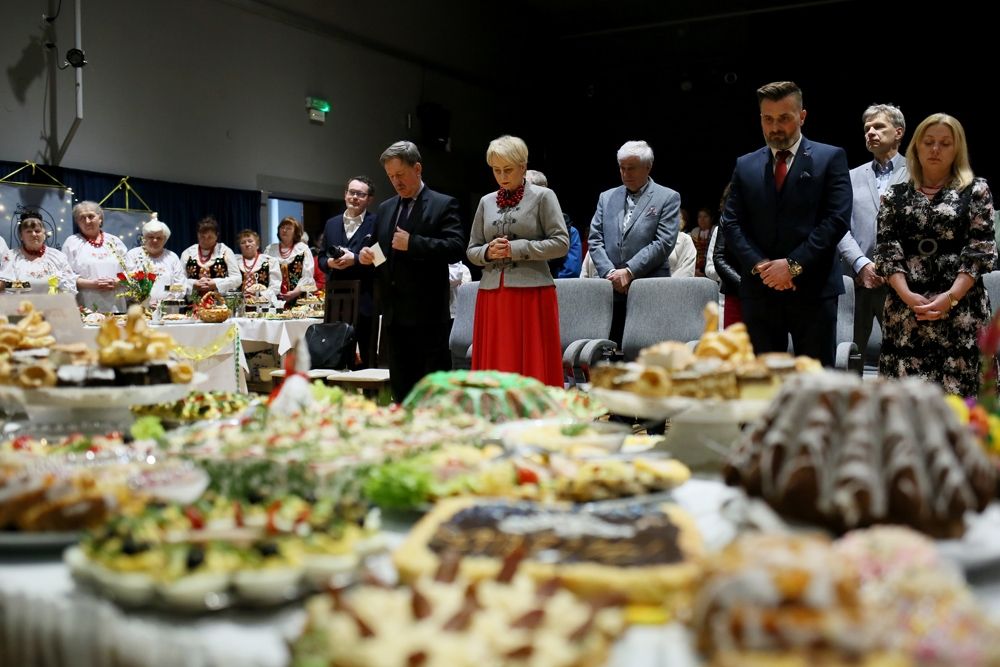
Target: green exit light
<point>318,104</point>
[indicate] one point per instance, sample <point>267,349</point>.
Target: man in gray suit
<point>634,228</point>
<point>884,127</point>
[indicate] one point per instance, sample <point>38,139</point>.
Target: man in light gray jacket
<point>634,228</point>
<point>884,128</point>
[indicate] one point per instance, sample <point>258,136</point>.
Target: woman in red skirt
<point>517,229</point>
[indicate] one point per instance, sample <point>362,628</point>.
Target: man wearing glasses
<point>789,206</point>
<point>344,236</point>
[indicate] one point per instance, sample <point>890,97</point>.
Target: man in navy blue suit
<point>789,206</point>
<point>344,237</point>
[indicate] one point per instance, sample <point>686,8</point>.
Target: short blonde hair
<point>511,149</point>
<point>248,232</point>
<point>961,170</point>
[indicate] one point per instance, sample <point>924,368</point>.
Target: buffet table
<point>45,620</point>
<point>219,350</point>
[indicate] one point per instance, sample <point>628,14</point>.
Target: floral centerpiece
<point>982,412</point>
<point>136,286</point>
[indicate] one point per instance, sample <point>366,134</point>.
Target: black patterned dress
<point>931,241</point>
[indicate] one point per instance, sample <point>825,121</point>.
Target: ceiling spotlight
<point>74,58</point>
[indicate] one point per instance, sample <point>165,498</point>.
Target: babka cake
<point>846,453</point>
<point>495,396</point>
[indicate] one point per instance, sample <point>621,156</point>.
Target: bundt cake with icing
<point>846,453</point>
<point>493,395</point>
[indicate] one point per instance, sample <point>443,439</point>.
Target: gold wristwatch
<point>794,268</point>
<point>952,299</point>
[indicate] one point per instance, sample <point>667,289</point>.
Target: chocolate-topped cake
<point>844,452</point>
<point>643,552</point>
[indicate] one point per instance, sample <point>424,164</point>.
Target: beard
<point>779,142</point>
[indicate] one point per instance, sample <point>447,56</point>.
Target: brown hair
<point>208,224</point>
<point>289,220</point>
<point>248,232</point>
<point>779,90</point>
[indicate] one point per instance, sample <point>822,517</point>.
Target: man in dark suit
<point>420,233</point>
<point>345,235</point>
<point>789,206</point>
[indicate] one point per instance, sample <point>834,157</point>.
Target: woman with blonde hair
<point>516,230</point>
<point>935,241</point>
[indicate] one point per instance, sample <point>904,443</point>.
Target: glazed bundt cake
<point>846,453</point>
<point>495,396</point>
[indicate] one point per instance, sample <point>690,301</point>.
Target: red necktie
<point>780,168</point>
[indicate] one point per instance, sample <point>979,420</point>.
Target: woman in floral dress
<point>935,241</point>
<point>295,260</point>
<point>97,258</point>
<point>34,262</point>
<point>210,266</point>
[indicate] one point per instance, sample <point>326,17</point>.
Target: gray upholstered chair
<point>992,282</point>
<point>848,357</point>
<point>460,341</point>
<point>662,309</point>
<point>585,309</point>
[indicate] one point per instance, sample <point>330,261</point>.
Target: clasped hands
<point>775,274</point>
<point>498,248</point>
<point>620,280</point>
<point>928,308</point>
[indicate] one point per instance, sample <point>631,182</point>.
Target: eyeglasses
<point>358,194</point>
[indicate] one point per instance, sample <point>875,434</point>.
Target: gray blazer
<point>536,231</point>
<point>647,243</point>
<point>858,244</point>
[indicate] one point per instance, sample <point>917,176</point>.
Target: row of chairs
<point>658,309</point>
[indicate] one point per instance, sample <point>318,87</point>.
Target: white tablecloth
<point>45,620</point>
<point>227,368</point>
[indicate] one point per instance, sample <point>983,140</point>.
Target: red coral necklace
<point>35,254</point>
<point>97,243</point>
<point>203,259</point>
<point>247,267</point>
<point>285,254</point>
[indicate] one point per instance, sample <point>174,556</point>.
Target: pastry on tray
<point>647,553</point>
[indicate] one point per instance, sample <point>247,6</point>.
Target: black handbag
<point>331,345</point>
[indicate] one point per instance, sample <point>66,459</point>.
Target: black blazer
<point>804,222</point>
<point>333,234</point>
<point>726,266</point>
<point>412,286</point>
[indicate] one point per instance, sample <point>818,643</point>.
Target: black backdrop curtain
<point>178,205</point>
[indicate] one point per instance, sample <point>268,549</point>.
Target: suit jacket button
<point>513,265</point>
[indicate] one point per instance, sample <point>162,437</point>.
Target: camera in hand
<point>336,252</point>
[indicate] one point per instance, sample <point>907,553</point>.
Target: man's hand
<point>366,256</point>
<point>401,240</point>
<point>344,261</point>
<point>620,279</point>
<point>776,275</point>
<point>868,278</point>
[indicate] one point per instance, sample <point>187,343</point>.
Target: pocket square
<point>805,174</point>
<point>652,211</point>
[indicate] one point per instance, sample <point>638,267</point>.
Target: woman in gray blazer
<point>517,229</point>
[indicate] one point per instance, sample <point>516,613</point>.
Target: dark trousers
<point>868,304</point>
<point>415,351</point>
<point>811,322</point>
<point>618,319</point>
<point>366,344</point>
